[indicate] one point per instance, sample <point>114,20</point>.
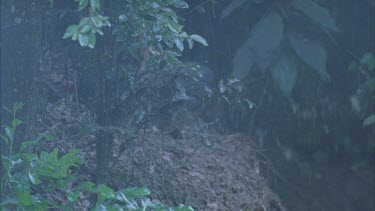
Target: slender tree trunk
<point>104,138</point>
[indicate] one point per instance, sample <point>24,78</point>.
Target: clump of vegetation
<point>45,180</point>
<point>363,102</point>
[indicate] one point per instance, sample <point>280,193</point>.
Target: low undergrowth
<point>45,180</point>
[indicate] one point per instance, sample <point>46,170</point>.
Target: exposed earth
<point>224,174</point>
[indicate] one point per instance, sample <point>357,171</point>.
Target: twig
<point>76,90</point>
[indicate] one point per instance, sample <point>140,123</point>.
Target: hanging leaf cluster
<point>154,27</point>
<point>146,30</point>
<point>275,45</point>
<point>87,28</point>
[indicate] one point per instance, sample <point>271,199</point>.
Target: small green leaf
<point>34,179</point>
<point>73,196</point>
<point>199,39</point>
<point>83,21</point>
<point>99,31</point>
<point>82,4</point>
<point>83,39</point>
<point>95,4</point>
<point>179,44</point>
<point>16,122</point>
<point>70,31</point>
<point>6,140</point>
<point>85,29</point>
<point>75,36</point>
<point>106,22</point>
<point>173,26</point>
<point>190,42</point>
<point>135,193</point>
<point>105,192</point>
<point>88,186</point>
<point>9,132</point>
<point>97,22</point>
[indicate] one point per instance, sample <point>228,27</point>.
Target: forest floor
<point>223,174</point>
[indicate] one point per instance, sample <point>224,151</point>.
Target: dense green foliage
<point>142,27</point>
<point>32,179</point>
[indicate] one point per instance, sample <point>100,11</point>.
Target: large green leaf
<point>311,52</point>
<point>316,13</point>
<point>199,39</point>
<point>260,47</point>
<point>284,73</point>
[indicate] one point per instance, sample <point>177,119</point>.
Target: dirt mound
<point>222,174</point>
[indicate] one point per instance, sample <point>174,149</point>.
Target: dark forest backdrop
<point>296,76</point>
